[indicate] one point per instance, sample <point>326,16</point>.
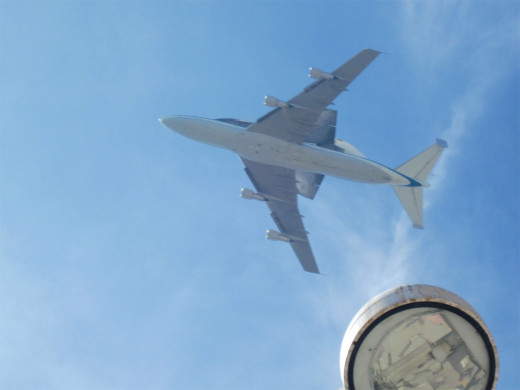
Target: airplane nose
<point>174,123</point>
<point>184,125</point>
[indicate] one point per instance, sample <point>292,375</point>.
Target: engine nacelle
<point>276,236</point>
<point>246,193</point>
<point>271,101</point>
<point>317,73</point>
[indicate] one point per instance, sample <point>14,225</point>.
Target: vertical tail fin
<point>418,168</point>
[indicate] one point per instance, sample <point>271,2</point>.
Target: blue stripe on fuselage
<point>413,182</point>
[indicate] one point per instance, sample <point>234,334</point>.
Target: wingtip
<point>377,51</point>
<point>442,143</point>
<point>315,270</point>
<point>312,270</point>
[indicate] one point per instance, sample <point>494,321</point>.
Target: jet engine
<point>276,236</point>
<point>317,73</point>
<point>271,101</point>
<point>246,193</point>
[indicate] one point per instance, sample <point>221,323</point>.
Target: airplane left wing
<point>293,120</point>
<point>278,185</point>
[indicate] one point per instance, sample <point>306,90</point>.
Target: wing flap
<point>324,131</point>
<point>308,183</point>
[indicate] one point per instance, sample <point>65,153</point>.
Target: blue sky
<point>127,258</point>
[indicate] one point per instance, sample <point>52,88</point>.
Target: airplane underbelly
<point>310,158</point>
<point>341,165</point>
<point>351,168</point>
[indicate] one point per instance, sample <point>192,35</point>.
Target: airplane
<point>289,150</point>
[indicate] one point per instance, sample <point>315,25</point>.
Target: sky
<point>128,259</point>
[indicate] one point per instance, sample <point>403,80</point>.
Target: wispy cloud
<point>441,32</point>
<point>363,256</point>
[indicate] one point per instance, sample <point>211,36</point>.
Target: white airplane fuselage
<point>269,150</point>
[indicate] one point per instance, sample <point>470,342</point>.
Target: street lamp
<point>418,337</point>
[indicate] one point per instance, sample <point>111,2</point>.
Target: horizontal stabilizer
<point>412,199</point>
<point>420,166</point>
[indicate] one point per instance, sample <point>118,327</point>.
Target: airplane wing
<point>295,120</point>
<point>279,186</point>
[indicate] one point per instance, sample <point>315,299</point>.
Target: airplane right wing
<point>293,120</point>
<point>278,185</point>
